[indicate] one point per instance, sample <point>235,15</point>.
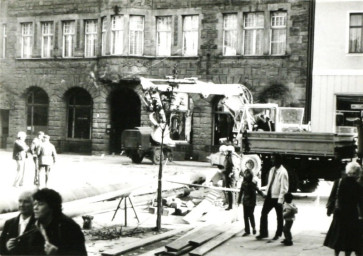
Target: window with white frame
<point>356,33</point>
<point>136,36</point>
<point>47,39</point>
<point>278,33</point>
<point>104,36</point>
<point>230,34</point>
<point>163,36</point>
<point>117,34</point>
<point>4,40</point>
<point>26,39</point>
<point>253,33</point>
<point>190,35</point>
<point>68,38</point>
<point>90,38</point>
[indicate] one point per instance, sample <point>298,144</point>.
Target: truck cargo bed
<point>300,143</point>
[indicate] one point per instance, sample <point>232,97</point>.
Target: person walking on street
<point>247,196</point>
<point>34,147</point>
<point>289,212</point>
<point>56,234</point>
<point>19,155</point>
<point>345,231</point>
<point>14,239</point>
<point>47,156</point>
<point>277,187</point>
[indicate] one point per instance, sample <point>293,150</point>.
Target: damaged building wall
<point>105,73</point>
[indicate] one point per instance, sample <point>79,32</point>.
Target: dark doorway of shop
<point>125,108</point>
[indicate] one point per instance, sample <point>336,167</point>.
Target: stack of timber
<point>121,249</point>
<point>202,240</point>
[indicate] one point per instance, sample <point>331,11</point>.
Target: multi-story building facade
<point>71,68</point>
<point>337,90</point>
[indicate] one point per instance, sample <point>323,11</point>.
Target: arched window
<point>79,104</point>
<point>37,111</point>
<point>223,122</point>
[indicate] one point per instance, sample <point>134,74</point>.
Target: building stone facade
<point>111,80</point>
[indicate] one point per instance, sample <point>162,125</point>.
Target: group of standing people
<point>277,198</point>
<point>43,153</point>
<point>346,230</point>
<point>41,228</point>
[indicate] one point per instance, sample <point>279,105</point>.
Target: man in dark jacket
<point>14,239</point>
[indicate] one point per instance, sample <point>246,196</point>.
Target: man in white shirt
<point>277,187</point>
<point>14,238</point>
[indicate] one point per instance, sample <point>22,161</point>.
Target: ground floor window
<point>349,113</point>
<point>37,111</point>
<point>79,117</point>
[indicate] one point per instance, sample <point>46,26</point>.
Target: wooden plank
<point>231,230</point>
<point>182,242</point>
<point>124,248</point>
<point>202,208</point>
<point>198,211</point>
<point>203,186</point>
<point>184,250</point>
<point>156,251</point>
<point>212,232</point>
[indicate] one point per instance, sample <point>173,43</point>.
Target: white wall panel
<point>325,89</point>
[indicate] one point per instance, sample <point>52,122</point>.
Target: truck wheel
<point>136,158</point>
<point>156,156</point>
<point>308,185</point>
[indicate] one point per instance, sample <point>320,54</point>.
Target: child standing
<point>289,212</point>
<point>247,195</point>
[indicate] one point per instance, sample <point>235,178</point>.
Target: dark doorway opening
<point>125,108</point>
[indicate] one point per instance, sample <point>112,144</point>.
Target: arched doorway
<point>125,110</point>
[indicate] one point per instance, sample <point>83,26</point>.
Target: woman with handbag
<point>19,155</point>
<point>345,202</point>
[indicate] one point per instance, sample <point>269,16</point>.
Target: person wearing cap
<point>19,155</point>
<point>47,156</point>
<point>230,176</point>
<point>37,141</point>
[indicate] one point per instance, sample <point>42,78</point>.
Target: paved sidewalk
<point>307,242</point>
<point>308,230</point>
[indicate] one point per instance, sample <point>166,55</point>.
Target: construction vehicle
<point>308,156</point>
<point>170,103</point>
<point>260,130</point>
<point>137,144</point>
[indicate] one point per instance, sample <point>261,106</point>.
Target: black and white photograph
<point>181,127</point>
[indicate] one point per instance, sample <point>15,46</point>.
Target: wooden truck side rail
<point>300,144</point>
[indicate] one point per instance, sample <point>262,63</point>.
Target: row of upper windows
<point>122,35</point>
<point>250,40</point>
